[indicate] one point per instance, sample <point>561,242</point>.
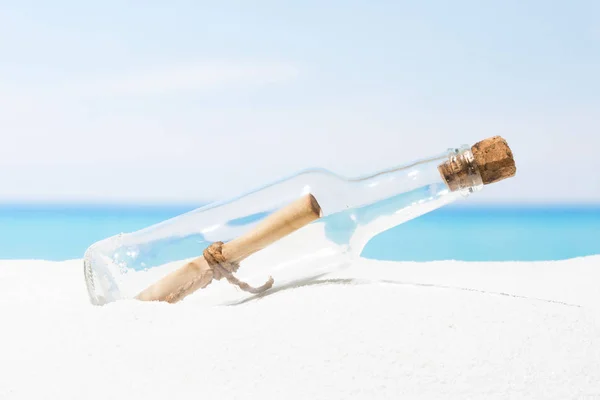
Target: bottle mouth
<point>469,168</point>
<point>460,171</point>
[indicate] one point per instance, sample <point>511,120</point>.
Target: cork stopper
<point>494,160</point>
<point>488,161</point>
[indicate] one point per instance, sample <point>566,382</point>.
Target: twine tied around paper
<point>222,268</point>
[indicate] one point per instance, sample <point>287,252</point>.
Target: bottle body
<point>352,211</point>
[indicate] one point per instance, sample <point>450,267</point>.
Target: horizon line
<point>192,205</point>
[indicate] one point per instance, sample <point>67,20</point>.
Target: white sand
<point>434,331</point>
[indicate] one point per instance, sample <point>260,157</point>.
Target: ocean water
<point>470,233</point>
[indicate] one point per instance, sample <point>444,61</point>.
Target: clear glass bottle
<point>351,211</point>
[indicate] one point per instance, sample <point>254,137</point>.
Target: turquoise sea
<point>465,232</point>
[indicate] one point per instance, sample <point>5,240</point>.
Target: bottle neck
<point>453,171</point>
<point>408,192</point>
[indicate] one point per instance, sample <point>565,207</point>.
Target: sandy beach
<point>380,330</point>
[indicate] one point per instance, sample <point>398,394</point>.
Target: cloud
<point>191,77</point>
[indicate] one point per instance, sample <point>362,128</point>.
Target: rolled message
<point>199,273</point>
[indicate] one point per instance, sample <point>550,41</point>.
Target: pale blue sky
<point>188,100</point>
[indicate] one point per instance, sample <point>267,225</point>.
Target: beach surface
<point>379,330</point>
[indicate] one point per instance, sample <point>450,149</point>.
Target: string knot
<point>222,268</point>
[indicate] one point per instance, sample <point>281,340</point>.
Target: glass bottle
<point>295,230</point>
